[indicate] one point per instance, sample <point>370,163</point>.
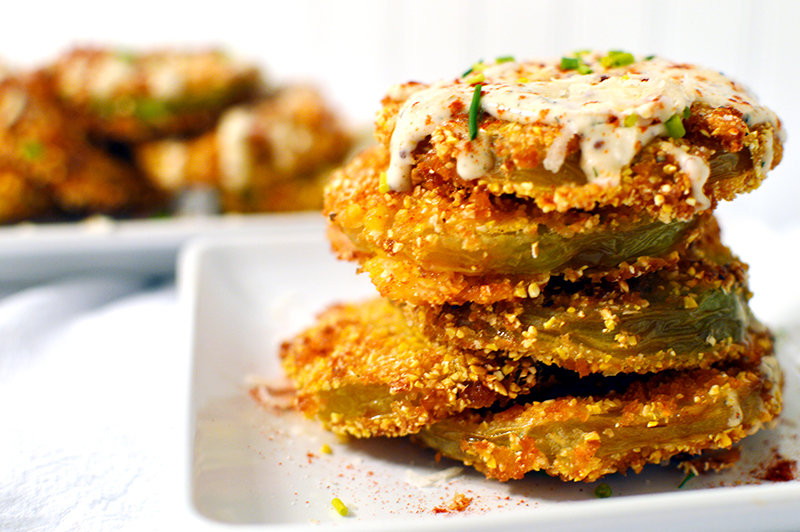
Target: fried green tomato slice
<point>451,238</point>
<point>689,316</point>
<point>669,139</point>
<point>363,371</point>
<point>131,96</point>
<point>275,154</point>
<point>40,144</point>
<point>582,438</point>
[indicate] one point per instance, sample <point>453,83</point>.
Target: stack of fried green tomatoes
<point>554,292</point>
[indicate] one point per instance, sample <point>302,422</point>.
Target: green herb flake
<point>339,506</point>
<point>584,69</point>
<point>630,120</point>
<point>477,78</point>
<point>126,56</point>
<point>602,491</point>
<point>649,57</point>
<point>617,58</point>
<point>474,111</point>
<point>570,63</point>
<point>688,477</point>
<point>675,127</point>
<point>476,68</point>
<point>150,109</point>
<point>505,59</point>
<point>32,150</point>
<point>687,112</point>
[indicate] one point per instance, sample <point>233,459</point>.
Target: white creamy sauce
<point>766,160</point>
<point>423,111</point>
<point>235,158</point>
<point>165,81</point>
<point>12,105</point>
<point>109,75</point>
<point>591,107</point>
<point>171,172</point>
<point>695,168</point>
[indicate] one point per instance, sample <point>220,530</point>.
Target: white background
<point>356,49</point>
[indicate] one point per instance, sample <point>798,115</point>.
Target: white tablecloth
<point>91,386</point>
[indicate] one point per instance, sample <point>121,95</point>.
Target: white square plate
<point>250,465</point>
<point>34,253</point>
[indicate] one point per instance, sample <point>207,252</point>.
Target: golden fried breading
<point>361,370</point>
<point>272,155</point>
<point>667,139</point>
<point>39,142</point>
<point>688,316</point>
<point>135,96</point>
<point>585,437</point>
<point>21,199</point>
<point>99,184</point>
<point>438,243</point>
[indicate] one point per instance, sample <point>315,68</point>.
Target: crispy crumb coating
<point>275,154</point>
<point>363,371</point>
<point>691,315</point>
<point>42,145</point>
<point>719,130</point>
<point>21,199</point>
<point>132,96</point>
<point>582,438</point>
<point>557,216</point>
<point>441,244</point>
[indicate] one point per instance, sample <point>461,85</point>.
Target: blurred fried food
<point>272,155</point>
<point>131,96</point>
<point>131,133</point>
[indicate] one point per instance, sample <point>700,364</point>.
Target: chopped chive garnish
<point>150,109</point>
<point>675,127</point>
<point>689,477</point>
<point>570,63</point>
<point>504,59</point>
<point>687,112</point>
<point>126,56</point>
<point>32,150</point>
<point>477,78</point>
<point>617,58</point>
<point>602,491</point>
<point>339,506</point>
<point>584,69</point>
<point>630,120</point>
<point>649,57</point>
<point>476,68</point>
<point>474,111</point>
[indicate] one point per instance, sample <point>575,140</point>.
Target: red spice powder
<point>780,470</point>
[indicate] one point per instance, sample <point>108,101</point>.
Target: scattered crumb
<point>779,469</point>
<point>711,461</point>
<point>278,394</point>
<point>460,503</point>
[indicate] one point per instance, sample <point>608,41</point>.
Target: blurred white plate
<point>31,253</point>
<point>249,465</point>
